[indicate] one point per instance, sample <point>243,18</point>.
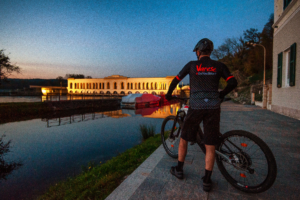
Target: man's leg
<point>182,150</point>
<point>210,157</point>
<point>209,165</point>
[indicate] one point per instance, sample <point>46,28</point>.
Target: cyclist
<point>205,100</point>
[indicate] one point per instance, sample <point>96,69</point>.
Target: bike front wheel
<point>170,140</point>
<point>252,167</point>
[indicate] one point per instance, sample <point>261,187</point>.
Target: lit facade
<point>121,85</point>
<point>286,58</point>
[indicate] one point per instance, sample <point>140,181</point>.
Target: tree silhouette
<point>6,168</point>
<point>6,68</point>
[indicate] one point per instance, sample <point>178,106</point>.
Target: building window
<point>115,85</point>
<point>287,67</point>
<point>292,64</point>
<point>103,86</point>
<point>279,70</point>
<point>122,85</point>
<point>286,3</point>
<point>107,86</point>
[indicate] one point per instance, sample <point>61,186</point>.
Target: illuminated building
<point>122,85</point>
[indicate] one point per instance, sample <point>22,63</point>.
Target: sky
<point>133,38</point>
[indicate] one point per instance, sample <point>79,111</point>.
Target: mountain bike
<point>244,159</point>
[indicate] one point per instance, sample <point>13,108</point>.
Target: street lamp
<point>264,85</point>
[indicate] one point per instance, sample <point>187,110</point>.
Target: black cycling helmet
<point>204,45</point>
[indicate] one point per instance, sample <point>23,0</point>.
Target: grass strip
<point>100,181</point>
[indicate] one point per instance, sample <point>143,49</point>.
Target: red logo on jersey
<point>205,69</point>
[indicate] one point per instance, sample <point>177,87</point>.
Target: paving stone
<point>163,174</point>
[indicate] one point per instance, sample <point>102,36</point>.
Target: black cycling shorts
<point>211,124</point>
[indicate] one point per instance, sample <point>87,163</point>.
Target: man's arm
<point>231,82</point>
<point>185,70</point>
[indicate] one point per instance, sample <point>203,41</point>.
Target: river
<point>50,150</point>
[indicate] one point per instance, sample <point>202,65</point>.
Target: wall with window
<point>286,62</point>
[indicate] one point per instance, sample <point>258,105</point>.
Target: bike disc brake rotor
<point>248,165</point>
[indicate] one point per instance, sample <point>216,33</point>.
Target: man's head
<point>204,47</point>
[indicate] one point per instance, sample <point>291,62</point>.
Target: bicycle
<point>236,157</point>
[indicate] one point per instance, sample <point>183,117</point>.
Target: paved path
<point>152,180</point>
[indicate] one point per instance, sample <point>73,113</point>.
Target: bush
<point>147,131</point>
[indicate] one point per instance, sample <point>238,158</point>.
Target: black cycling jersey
<point>204,81</point>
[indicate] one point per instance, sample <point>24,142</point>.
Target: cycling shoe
<point>178,174</point>
<point>206,186</point>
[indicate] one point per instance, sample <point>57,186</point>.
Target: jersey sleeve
<point>185,71</point>
<point>226,73</point>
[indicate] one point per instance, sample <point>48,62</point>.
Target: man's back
<point>204,81</point>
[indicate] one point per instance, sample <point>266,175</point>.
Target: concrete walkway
<point>152,180</point>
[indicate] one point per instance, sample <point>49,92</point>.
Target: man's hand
<point>168,97</point>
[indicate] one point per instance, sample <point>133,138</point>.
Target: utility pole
<point>264,85</point>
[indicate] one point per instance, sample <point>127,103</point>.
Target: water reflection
<point>6,167</point>
<point>152,112</point>
<point>58,121</point>
<point>53,154</point>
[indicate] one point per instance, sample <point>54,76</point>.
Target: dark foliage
<point>5,167</point>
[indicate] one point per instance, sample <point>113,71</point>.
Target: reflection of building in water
<point>165,111</point>
<point>58,121</point>
<point>117,84</point>
<point>116,114</point>
<point>156,112</point>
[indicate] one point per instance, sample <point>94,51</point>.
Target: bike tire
<point>251,160</point>
<point>171,147</point>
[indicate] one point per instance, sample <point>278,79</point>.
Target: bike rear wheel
<point>170,140</point>
<point>254,167</point>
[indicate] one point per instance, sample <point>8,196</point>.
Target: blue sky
<point>133,38</point>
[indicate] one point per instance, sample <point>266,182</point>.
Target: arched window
<point>128,86</point>
<point>115,92</point>
<point>122,86</point>
<point>115,86</point>
<point>108,92</point>
<point>123,93</point>
<point>151,86</point>
<point>131,85</point>
<point>129,92</point>
<point>147,86</point>
<point>145,92</point>
<point>137,92</point>
<point>139,86</point>
<point>103,86</point>
<point>155,86</point>
<point>108,86</point>
<point>135,86</point>
<point>83,85</point>
<point>143,86</point>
